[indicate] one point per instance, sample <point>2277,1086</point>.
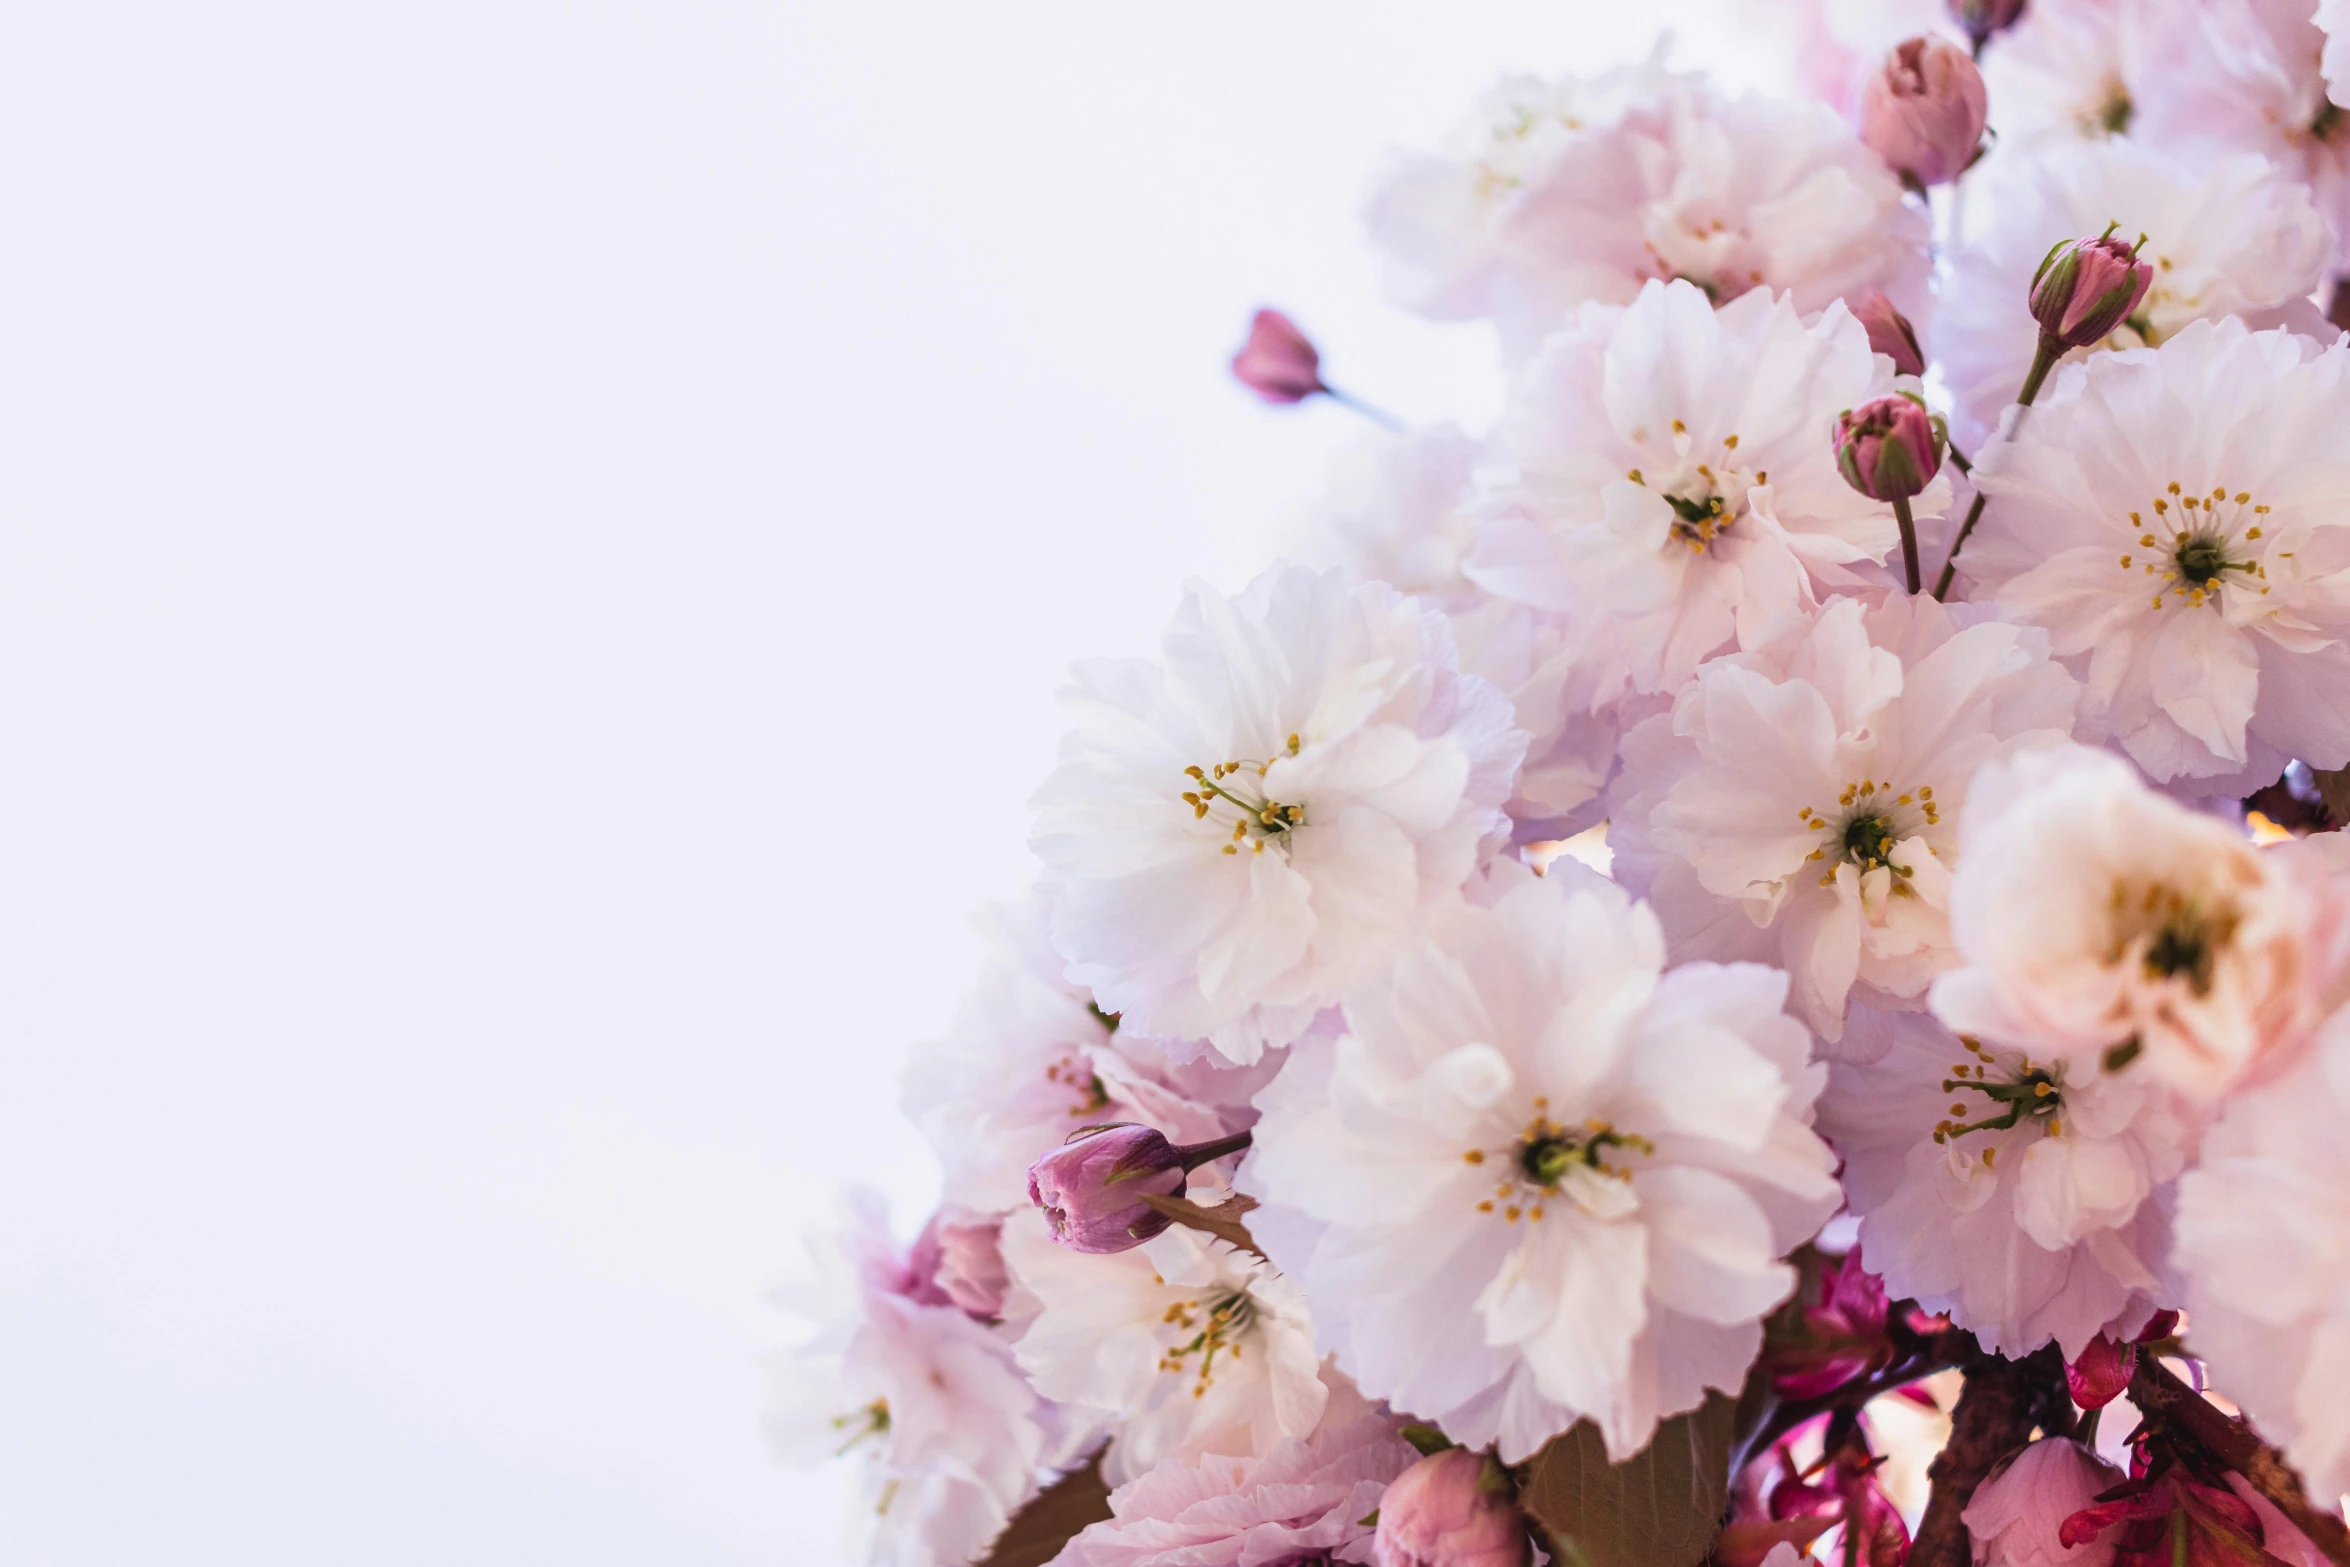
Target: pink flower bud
<point>2087,287</point>
<point>2016,1517</point>
<point>1889,449</point>
<point>1923,111</point>
<point>1091,1187</point>
<point>2101,1373</point>
<point>971,1270</point>
<point>1889,331</point>
<point>1456,1508</point>
<point>1979,19</point>
<point>1277,363</point>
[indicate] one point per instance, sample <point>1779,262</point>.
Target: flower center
<point>1224,795</point>
<point>2178,936</point>
<point>2196,540</point>
<point>1547,1155</point>
<point>1093,1095</point>
<point>1706,496</point>
<point>1215,1325</point>
<point>2019,1093</point>
<point>1869,820</point>
<point>862,1424</point>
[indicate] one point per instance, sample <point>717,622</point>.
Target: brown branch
<point>2162,1397</point>
<point>2002,1401</point>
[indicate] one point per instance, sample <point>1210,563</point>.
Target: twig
<point>2002,1401</point>
<point>2162,1397</point>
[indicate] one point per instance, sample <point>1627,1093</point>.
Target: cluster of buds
<point>1093,1187</point>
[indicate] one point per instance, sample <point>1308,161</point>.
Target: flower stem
<point>1378,416</point>
<point>2042,362</point>
<point>1197,1154</point>
<point>1909,541</point>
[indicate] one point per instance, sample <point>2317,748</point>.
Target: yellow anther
<point>1474,1156</point>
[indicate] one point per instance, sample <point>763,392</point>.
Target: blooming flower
<point>2025,1198</point>
<point>948,1433</point>
<point>1185,1344</point>
<point>1801,807</point>
<point>1030,1058</point>
<point>1543,1179</point>
<point>1303,1501</point>
<point>2230,236</point>
<point>1456,1508</point>
<point>2100,921</point>
<point>2179,521</point>
<point>2015,1515</point>
<point>1241,829</point>
<point>1558,193</point>
<point>1923,110</point>
<point>2261,1226</point>
<point>2104,68</point>
<point>1672,471</point>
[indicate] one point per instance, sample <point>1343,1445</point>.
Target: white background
<point>536,542</point>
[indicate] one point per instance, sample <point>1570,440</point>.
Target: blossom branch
<point>2162,1397</point>
<point>2002,1401</point>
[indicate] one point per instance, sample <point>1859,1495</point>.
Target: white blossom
<point>1560,192</point>
<point>2101,921</point>
<point>2231,236</point>
<point>1801,806</point>
<point>1542,1178</point>
<point>2178,519</point>
<point>1239,830</point>
<point>947,1434</point>
<point>1305,1501</point>
<point>1030,1059</point>
<point>1667,474</point>
<point>2028,1198</point>
<point>2264,1245</point>
<point>1393,510</point>
<point>1185,1345</point>
<point>2215,77</point>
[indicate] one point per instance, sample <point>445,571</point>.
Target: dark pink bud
<point>2087,287</point>
<point>1889,331</point>
<point>1277,363</point>
<point>1924,110</point>
<point>1979,19</point>
<point>1889,449</point>
<point>1091,1187</point>
<point>2101,1373</point>
<point>1456,1508</point>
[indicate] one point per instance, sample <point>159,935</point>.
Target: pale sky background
<point>539,540</point>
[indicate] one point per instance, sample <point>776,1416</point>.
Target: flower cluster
<point>1800,787</point>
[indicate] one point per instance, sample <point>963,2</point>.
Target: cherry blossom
<point>1543,1178</point>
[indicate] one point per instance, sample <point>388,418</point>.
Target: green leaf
<point>1427,1439</point>
<point>1223,1221</point>
<point>1660,1508</point>
<point>1052,1518</point>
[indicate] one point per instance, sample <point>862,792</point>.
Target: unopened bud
<point>1889,331</point>
<point>2087,287</point>
<point>1924,110</point>
<point>1889,449</point>
<point>1277,362</point>
<point>1979,19</point>
<point>1092,1187</point>
<point>1456,1508</point>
